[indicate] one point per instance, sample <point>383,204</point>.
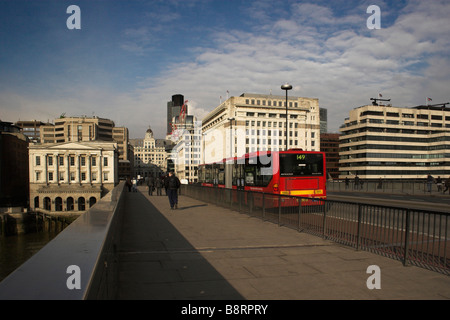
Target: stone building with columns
<point>70,177</point>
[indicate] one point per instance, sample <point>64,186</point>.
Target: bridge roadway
<point>201,251</point>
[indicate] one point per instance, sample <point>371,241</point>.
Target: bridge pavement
<point>202,251</point>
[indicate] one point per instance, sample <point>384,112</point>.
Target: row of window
<point>405,123</point>
<point>397,139</point>
<point>395,155</point>
<point>270,103</point>
<point>395,164</point>
<point>61,160</point>
<point>72,176</point>
<point>404,115</point>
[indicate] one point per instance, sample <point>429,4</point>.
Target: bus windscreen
<point>296,165</point>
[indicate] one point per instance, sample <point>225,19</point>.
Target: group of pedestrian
<point>131,184</point>
<point>155,184</point>
<point>171,184</point>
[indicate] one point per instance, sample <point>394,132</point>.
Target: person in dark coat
<point>151,185</point>
<point>172,185</point>
<point>159,185</point>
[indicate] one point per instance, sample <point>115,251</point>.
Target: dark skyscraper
<point>174,109</point>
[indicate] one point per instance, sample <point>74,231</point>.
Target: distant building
<point>13,166</point>
<point>174,109</point>
<point>70,177</point>
<point>32,129</point>
<point>329,143</point>
<point>68,129</point>
<point>395,143</point>
<point>257,122</point>
<point>323,120</point>
<point>150,157</point>
<point>186,154</point>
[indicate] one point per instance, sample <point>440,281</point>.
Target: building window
<point>72,160</point>
<point>105,161</point>
<point>105,176</point>
<point>94,161</point>
<point>61,160</point>
<point>50,176</point>
<point>50,160</point>
<point>38,175</point>
<point>72,176</point>
<point>83,176</point>
<point>83,161</point>
<point>38,160</point>
<point>94,176</point>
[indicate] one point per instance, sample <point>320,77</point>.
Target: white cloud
<point>323,55</point>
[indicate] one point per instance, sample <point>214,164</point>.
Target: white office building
<point>257,122</point>
<point>395,143</point>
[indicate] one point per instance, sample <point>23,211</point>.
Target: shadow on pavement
<point>157,262</point>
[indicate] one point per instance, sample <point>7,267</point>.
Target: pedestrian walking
<point>151,185</point>
<point>166,178</point>
<point>439,183</point>
<point>346,183</point>
<point>447,185</point>
<point>172,185</point>
<point>356,182</point>
<point>128,184</point>
<point>134,182</point>
<point>430,180</point>
<point>159,185</point>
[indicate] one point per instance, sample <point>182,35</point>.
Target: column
<point>88,159</point>
<point>68,169</point>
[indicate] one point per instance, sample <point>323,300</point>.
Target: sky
<point>129,57</point>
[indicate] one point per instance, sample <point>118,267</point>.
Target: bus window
<point>258,174</point>
<point>238,174</point>
<point>301,165</point>
<point>221,173</point>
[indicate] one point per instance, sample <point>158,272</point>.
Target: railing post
<point>358,231</point>
<point>299,213</point>
<point>263,206</point>
<point>324,223</point>
<point>279,211</point>
<point>405,259</point>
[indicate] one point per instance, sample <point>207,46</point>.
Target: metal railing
<point>416,237</point>
<point>388,186</point>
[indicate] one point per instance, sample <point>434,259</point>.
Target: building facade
<point>70,177</point>
<point>186,153</point>
<point>150,157</point>
<point>32,129</point>
<point>329,143</point>
<point>174,109</point>
<point>395,143</point>
<point>78,129</point>
<point>257,122</point>
<point>13,166</point>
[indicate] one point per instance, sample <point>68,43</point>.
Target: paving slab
<point>201,251</point>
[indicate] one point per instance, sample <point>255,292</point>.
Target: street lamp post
<point>229,164</point>
<point>286,87</point>
<point>231,136</point>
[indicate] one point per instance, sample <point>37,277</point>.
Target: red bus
<point>293,172</point>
